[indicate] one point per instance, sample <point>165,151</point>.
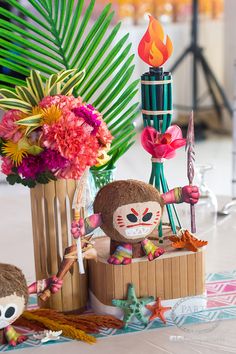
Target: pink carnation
<point>76,168</point>
<point>8,129</point>
<point>61,101</point>
<point>74,142</point>
<point>77,136</point>
<point>6,166</point>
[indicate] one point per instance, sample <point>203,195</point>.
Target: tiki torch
<point>156,89</point>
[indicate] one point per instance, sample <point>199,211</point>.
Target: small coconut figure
<point>128,212</point>
<point>14,294</point>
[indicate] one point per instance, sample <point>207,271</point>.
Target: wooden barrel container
<point>177,273</point>
<point>51,206</point>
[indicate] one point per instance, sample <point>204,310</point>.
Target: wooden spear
<point>78,206</point>
<point>190,165</point>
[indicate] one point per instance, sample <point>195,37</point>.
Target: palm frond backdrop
<point>60,35</point>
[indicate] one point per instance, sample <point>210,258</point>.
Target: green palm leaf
<point>50,39</point>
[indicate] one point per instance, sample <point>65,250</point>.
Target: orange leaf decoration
<point>187,241</point>
<point>152,49</point>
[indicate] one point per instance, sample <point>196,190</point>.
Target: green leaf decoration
<point>45,177</point>
<point>59,37</point>
<point>12,179</point>
<point>34,150</point>
<point>32,121</point>
<point>5,93</point>
<point>9,103</point>
<point>72,83</point>
<point>37,84</point>
<point>26,95</point>
<point>1,146</point>
<point>28,183</point>
<point>25,98</point>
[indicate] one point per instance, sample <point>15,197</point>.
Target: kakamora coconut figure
<point>14,294</point>
<point>128,212</point>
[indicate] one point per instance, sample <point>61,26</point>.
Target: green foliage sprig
<point>51,38</point>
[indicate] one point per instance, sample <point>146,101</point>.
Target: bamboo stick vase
<point>51,206</point>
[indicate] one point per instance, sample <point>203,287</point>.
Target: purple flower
<point>91,118</point>
<point>48,160</point>
<point>52,160</point>
<point>30,167</point>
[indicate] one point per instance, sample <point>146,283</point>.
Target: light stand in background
<point>232,205</point>
<point>215,90</point>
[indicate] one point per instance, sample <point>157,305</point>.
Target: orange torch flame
<point>152,49</point>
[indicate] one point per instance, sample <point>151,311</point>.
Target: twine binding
<point>156,82</point>
<point>156,159</point>
<point>71,255</point>
<point>156,113</point>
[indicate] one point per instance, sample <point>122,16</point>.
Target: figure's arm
<point>85,226</point>
<point>186,194</point>
<point>53,283</point>
<point>13,338</point>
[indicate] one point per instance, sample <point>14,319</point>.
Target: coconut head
<point>13,294</point>
<point>130,210</point>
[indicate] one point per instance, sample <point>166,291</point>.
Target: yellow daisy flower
<point>16,151</point>
<point>36,110</point>
<point>50,115</point>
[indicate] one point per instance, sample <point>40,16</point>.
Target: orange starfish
<point>157,310</point>
<point>187,241</point>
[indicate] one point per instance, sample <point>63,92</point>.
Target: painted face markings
<point>132,218</point>
<point>134,211</point>
<point>137,220</point>
<point>145,211</point>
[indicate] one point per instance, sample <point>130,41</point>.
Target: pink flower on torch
<point>162,146</point>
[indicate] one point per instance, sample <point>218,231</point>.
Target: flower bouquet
<point>50,134</point>
<point>49,138</point>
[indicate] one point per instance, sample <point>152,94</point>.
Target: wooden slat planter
<point>175,274</point>
<point>51,206</point>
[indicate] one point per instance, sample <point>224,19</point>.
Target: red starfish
<point>157,310</point>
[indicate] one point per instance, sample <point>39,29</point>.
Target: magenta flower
<point>48,160</point>
<point>90,116</point>
<point>162,146</point>
<point>52,160</point>
<point>30,167</point>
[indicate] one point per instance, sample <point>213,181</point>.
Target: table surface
<point>16,247</point>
